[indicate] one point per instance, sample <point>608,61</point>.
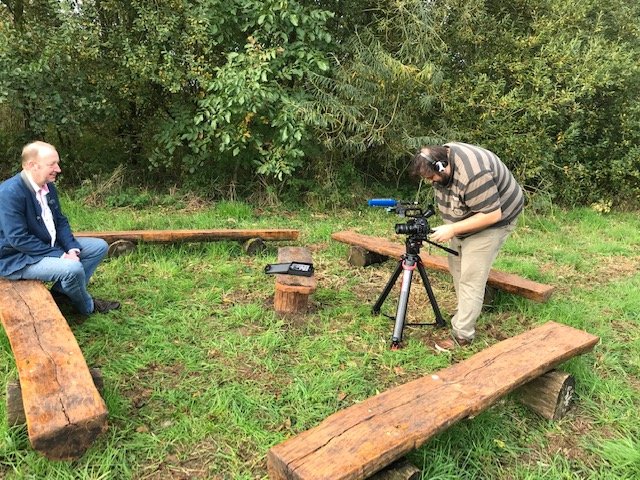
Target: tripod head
<point>416,228</point>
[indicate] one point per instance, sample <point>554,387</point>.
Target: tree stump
<point>399,470</point>
<point>549,395</point>
<point>361,257</point>
<point>120,247</point>
<point>254,246</point>
<point>490,295</point>
<point>292,291</point>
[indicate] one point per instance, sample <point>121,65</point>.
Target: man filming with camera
<point>479,201</point>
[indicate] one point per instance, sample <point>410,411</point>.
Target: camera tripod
<point>409,261</point>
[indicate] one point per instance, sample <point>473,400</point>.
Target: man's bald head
<point>41,160</point>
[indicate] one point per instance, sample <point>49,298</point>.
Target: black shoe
<point>104,306</point>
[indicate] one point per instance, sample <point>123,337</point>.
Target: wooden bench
<point>292,291</point>
<point>124,241</point>
<point>62,406</point>
<point>507,282</point>
<point>357,442</point>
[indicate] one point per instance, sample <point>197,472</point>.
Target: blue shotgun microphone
<point>382,202</point>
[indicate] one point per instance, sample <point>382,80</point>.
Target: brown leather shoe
<point>104,306</point>
<point>451,343</point>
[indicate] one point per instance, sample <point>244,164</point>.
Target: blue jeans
<point>69,276</point>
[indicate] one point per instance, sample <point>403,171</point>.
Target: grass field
<point>202,377</point>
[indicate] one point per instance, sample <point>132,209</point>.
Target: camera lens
<point>405,229</point>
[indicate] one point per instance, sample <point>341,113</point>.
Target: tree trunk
<point>292,291</point>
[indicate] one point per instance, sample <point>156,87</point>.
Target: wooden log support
<point>359,441</point>
<point>292,291</point>
<point>177,236</point>
<point>361,257</point>
<point>63,408</point>
<point>120,247</point>
<point>549,395</point>
<point>399,470</point>
<point>254,246</point>
<point>508,282</point>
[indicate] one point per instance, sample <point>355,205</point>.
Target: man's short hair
<point>32,150</point>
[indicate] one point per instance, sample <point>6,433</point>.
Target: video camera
<point>417,230</point>
<point>417,225</point>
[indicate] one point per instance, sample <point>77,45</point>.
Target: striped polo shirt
<point>480,183</point>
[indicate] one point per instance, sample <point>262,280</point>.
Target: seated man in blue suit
<point>36,242</point>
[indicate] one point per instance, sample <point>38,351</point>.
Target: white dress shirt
<point>47,215</point>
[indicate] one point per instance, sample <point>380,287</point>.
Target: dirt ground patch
<point>605,270</point>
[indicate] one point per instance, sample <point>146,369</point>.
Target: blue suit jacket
<point>24,238</point>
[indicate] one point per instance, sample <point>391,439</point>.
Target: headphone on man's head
<point>437,165</point>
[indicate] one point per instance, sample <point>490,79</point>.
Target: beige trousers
<point>470,270</point>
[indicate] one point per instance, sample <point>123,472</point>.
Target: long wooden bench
<point>171,236</point>
<point>124,241</point>
<point>357,442</point>
<point>62,406</point>
<point>508,282</point>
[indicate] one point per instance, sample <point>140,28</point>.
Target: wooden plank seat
<point>360,440</point>
<point>507,282</point>
<point>176,236</point>
<point>63,408</point>
<point>292,291</point>
<point>124,241</point>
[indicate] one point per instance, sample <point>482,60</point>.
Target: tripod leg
<point>401,312</point>
<point>387,289</point>
<point>432,298</point>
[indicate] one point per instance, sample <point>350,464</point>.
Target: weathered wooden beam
<point>63,408</point>
<point>358,441</point>
<point>292,291</point>
<point>253,246</point>
<point>176,236</point>
<point>507,282</point>
<point>15,408</point>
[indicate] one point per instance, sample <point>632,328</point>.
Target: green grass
<point>202,377</point>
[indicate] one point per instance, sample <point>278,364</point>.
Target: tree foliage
<point>551,86</point>
<point>213,91</point>
<point>551,90</point>
<point>193,86</point>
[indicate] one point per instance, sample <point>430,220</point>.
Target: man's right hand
<point>71,256</point>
